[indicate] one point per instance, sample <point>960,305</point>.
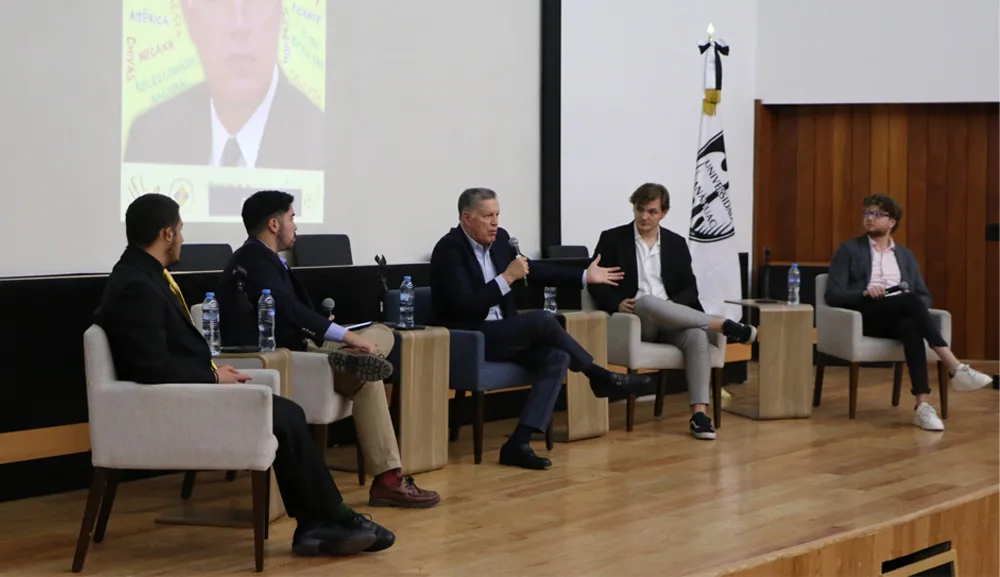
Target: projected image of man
<point>246,113</point>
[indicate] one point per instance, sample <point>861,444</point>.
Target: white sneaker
<point>925,417</point>
<point>967,378</point>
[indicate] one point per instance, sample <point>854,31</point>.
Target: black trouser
<point>537,342</point>
<point>906,319</point>
<point>306,486</point>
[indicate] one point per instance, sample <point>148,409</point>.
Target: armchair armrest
<point>266,377</point>
<point>838,332</point>
<point>182,426</point>
<point>942,319</point>
<point>468,353</point>
<point>624,336</point>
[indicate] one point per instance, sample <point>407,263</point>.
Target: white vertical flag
<point>714,255</point>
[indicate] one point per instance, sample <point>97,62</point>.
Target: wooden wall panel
<point>814,164</point>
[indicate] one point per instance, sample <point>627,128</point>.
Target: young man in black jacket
<point>154,340</point>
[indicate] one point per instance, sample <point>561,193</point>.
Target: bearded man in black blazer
<point>472,270</point>
<point>659,287</point>
<point>154,341</point>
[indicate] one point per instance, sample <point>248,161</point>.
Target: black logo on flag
<point>712,214</point>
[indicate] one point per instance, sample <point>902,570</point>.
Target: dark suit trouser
<point>904,318</point>
<point>306,486</point>
<point>538,343</point>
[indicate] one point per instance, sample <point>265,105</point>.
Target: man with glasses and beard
<point>861,271</point>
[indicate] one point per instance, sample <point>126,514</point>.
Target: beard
<point>174,254</point>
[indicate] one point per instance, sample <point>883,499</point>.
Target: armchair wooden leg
<point>661,391</point>
<point>944,381</point>
<point>549,443</point>
<point>479,399</point>
<point>188,485</point>
<point>854,389</point>
<point>97,487</point>
<point>897,382</point>
<point>630,413</point>
<point>818,386</point>
<point>455,416</point>
<point>361,464</point>
<point>717,396</point>
<point>260,482</point>
<point>321,437</point>
<point>107,501</point>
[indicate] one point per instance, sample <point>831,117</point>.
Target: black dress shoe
<point>365,366</point>
<point>616,386</point>
<point>522,456</point>
<point>384,538</point>
<point>330,538</point>
<point>739,332</point>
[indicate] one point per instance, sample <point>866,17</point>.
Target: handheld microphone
<point>514,244</point>
<point>903,286</point>
<point>328,304</point>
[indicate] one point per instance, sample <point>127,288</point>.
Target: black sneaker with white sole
<point>701,427</point>
<point>739,332</point>
<point>365,366</point>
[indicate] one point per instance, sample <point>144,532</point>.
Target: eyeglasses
<point>874,214</point>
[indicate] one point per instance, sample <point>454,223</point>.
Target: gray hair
<point>471,197</point>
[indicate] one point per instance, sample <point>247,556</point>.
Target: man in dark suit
<point>154,340</point>
<point>659,287</point>
<point>246,113</point>
<point>862,270</point>
<point>472,270</point>
<point>357,358</point>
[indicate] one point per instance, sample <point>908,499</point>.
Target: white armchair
<point>312,389</point>
<point>626,348</point>
<point>839,335</point>
<point>173,426</point>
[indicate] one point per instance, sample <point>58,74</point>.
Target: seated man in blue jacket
<point>862,270</point>
<point>270,223</point>
<point>472,270</point>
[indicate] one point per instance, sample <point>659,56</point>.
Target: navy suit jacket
<point>851,271</point>
<point>295,317</point>
<point>460,295</point>
<point>617,248</point>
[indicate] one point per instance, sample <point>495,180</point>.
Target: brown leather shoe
<point>397,491</point>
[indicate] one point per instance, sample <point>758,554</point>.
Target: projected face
<point>482,222</point>
<point>237,42</point>
<point>286,230</point>
<point>648,216</point>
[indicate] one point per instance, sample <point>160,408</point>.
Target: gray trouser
<point>684,327</point>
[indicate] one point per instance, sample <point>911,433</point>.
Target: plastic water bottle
<point>407,294</point>
<point>550,300</point>
<point>265,320</point>
<point>794,283</point>
<point>210,323</point>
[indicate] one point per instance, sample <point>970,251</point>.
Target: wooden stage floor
<point>654,501</point>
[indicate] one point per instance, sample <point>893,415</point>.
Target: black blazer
<point>617,248</point>
<point>152,337</point>
<point>179,131</point>
<point>462,298</point>
<point>851,271</point>
<point>295,317</point>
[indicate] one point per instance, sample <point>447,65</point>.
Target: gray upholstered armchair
<point>468,368</point>
<point>627,349</point>
<point>173,427</point>
<point>839,334</point>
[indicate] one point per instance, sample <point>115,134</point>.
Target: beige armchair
<point>312,389</point>
<point>173,427</point>
<point>839,334</point>
<point>626,348</point>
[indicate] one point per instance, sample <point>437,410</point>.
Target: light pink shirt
<point>885,268</point>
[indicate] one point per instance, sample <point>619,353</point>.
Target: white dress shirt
<point>249,135</point>
<point>648,264</point>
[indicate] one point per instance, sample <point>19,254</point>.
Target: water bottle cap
<point>407,277</point>
<point>265,292</point>
<point>795,265</point>
<point>210,295</point>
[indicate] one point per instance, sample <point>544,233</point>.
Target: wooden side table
<point>586,415</point>
<point>784,389</point>
<point>192,514</point>
<point>424,356</point>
